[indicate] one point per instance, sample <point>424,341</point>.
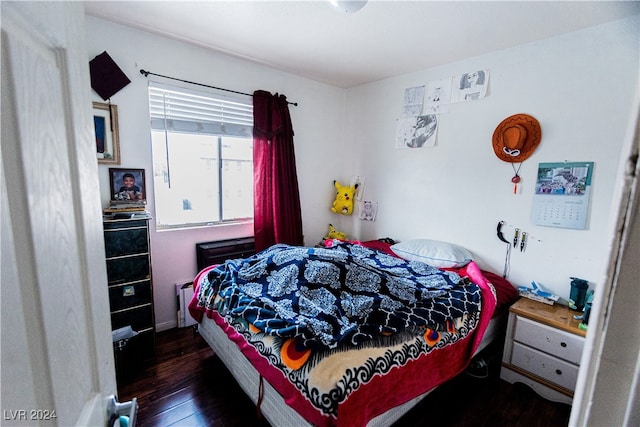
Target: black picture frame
<point>118,188</point>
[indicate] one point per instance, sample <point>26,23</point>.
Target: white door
<point>57,359</point>
<point>608,388</point>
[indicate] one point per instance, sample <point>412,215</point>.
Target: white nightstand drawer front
<point>555,370</point>
<point>553,341</point>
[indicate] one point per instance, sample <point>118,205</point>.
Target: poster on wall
<point>416,132</point>
<point>470,86</point>
<point>368,210</point>
<point>562,194</point>
<point>438,96</point>
<point>413,101</point>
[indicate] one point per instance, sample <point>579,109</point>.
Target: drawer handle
<point>558,371</point>
<point>563,344</point>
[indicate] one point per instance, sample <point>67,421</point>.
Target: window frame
<point>233,118</point>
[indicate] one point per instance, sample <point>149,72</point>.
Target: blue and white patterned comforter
<point>345,294</point>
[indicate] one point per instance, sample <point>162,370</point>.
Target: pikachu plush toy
<point>345,194</point>
<point>335,234</point>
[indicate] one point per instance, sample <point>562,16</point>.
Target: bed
<point>345,335</point>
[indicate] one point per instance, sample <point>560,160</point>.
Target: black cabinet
<point>130,283</point>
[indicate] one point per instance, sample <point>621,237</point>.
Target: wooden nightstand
<point>542,349</point>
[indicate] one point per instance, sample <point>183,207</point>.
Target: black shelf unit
<point>128,258</point>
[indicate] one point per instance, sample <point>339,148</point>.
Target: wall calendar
<point>562,194</point>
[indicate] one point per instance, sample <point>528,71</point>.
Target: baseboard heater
<point>217,252</point>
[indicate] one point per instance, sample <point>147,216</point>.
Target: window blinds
<point>179,109</point>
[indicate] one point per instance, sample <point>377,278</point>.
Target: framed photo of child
<point>127,184</point>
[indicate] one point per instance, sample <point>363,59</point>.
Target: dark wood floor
<point>189,386</point>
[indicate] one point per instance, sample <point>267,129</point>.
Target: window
<point>202,157</point>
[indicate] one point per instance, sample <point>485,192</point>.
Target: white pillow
<point>433,252</point>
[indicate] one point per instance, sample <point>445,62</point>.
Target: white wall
<point>317,122</point>
<point>579,86</point>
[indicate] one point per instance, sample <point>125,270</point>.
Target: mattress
<point>272,405</point>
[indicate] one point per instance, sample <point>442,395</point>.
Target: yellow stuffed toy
<point>335,234</point>
<point>344,198</point>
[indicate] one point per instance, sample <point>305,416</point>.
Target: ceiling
<point>313,39</point>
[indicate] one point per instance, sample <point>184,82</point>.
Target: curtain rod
<point>146,74</point>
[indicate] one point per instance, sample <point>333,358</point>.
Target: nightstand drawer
<point>555,370</point>
<point>553,341</point>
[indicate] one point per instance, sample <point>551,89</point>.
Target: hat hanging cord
<point>516,177</point>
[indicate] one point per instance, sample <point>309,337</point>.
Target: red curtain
<point>277,216</point>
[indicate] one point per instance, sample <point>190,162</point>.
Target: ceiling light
<point>348,6</point>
